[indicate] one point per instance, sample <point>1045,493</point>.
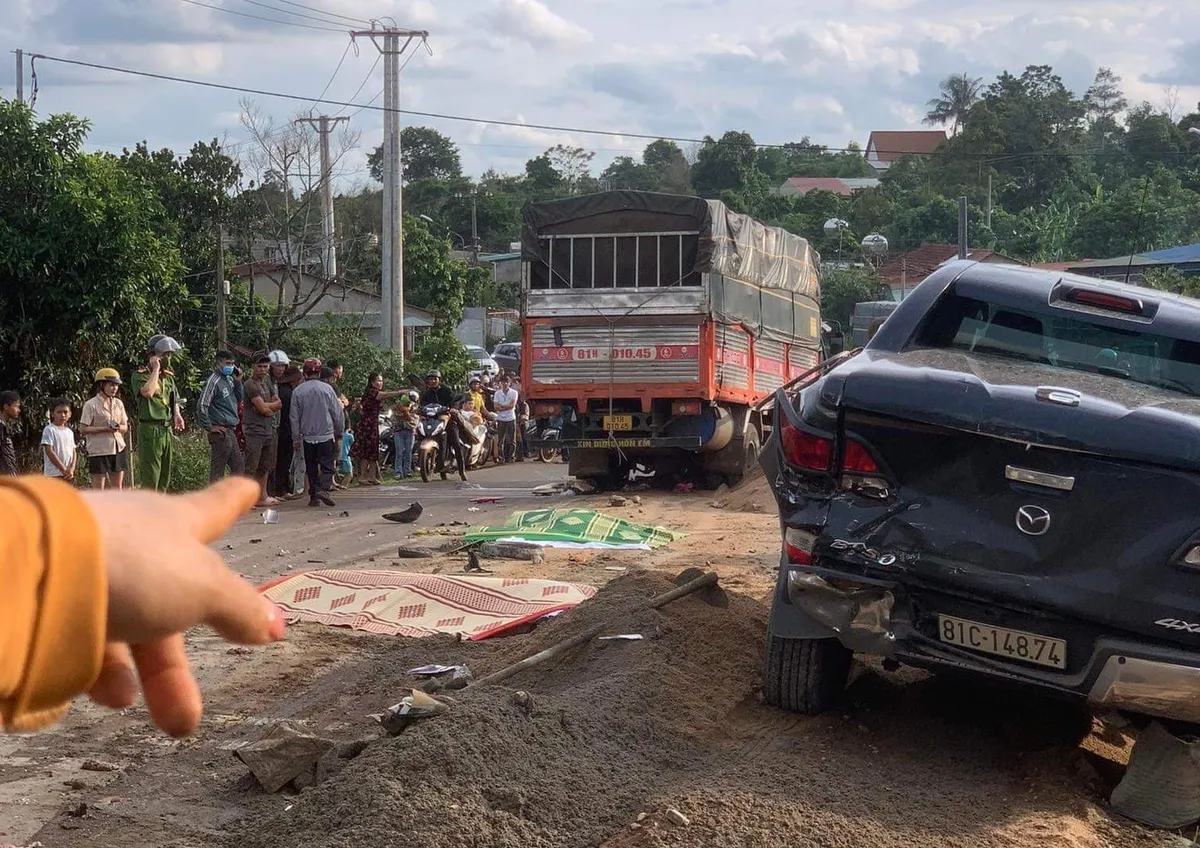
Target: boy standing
<point>505,400</point>
<point>10,411</point>
<point>58,442</point>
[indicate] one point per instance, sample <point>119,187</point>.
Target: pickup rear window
<point>976,326</point>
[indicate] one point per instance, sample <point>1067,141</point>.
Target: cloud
<point>532,22</point>
<point>1184,68</point>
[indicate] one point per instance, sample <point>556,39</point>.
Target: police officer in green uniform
<point>157,402</point>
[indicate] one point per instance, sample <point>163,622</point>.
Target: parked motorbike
<point>438,435</point>
<point>387,444</point>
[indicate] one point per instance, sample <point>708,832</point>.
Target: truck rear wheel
<point>748,446</point>
<point>805,675</point>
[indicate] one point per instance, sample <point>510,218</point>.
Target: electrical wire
<point>277,10</point>
<point>257,17</point>
<point>345,53</point>
<point>986,157</point>
<point>323,12</point>
<point>361,85</point>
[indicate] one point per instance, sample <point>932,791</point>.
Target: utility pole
<point>989,203</point>
<point>474,230</point>
<point>392,43</point>
<point>20,76</point>
<point>222,328</point>
<point>962,228</point>
<point>324,126</point>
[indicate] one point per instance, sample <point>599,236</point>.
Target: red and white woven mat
<point>396,603</point>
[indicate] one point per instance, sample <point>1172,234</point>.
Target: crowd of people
<point>287,426</point>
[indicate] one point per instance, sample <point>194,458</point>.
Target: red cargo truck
<point>653,323</point>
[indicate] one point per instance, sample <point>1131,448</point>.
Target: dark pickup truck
<point>1004,482</point>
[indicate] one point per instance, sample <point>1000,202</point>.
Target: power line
<point>323,12</point>
<point>366,79</point>
<point>277,10</point>
<point>526,126</point>
<point>345,53</point>
<point>254,17</point>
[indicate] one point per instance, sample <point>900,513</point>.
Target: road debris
<point>407,515</point>
<point>270,516</point>
<point>255,541</point>
<point>1161,786</point>
<point>618,500</point>
<point>419,705</point>
<point>345,513</point>
<point>510,550</point>
<point>98,765</point>
<point>286,754</point>
<point>621,637</point>
<point>473,509</point>
<point>491,499</point>
<point>677,818</point>
<point>283,552</point>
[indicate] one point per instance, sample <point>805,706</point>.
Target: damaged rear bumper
<point>876,618</point>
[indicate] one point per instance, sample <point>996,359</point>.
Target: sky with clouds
<point>777,68</point>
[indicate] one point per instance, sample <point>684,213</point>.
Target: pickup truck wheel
<point>805,675</point>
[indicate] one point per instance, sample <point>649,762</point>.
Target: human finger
<point>172,696</point>
<point>117,686</point>
<point>211,512</point>
<point>234,608</point>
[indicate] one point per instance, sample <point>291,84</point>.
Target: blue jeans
<point>403,439</point>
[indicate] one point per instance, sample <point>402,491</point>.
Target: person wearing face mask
<point>103,425</point>
<point>156,402</point>
<point>217,414</point>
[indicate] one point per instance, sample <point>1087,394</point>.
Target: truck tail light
<point>546,410</point>
<point>804,450</point>
<point>685,407</point>
<point>798,544</point>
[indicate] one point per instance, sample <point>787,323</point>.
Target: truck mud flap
<point>623,442</point>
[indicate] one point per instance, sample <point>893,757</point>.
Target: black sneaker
<point>313,502</point>
<point>325,499</point>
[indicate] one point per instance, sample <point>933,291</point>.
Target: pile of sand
<point>621,732</point>
<point>752,495</point>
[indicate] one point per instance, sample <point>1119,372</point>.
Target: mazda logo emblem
<point>1033,520</point>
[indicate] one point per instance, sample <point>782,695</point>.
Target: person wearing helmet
<point>477,398</point>
<point>435,390</point>
<point>103,424</point>
<point>156,403</point>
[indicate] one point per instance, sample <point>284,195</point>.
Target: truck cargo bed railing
<point>580,271</point>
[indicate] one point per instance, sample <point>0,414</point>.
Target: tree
<point>432,280</point>
<point>726,165</point>
<point>572,163</point>
<point>670,168</point>
<point>1104,99</point>
<point>425,154</point>
<point>843,288</point>
<point>1148,213</point>
<point>1172,280</point>
<point>957,93</point>
<point>627,173</point>
<point>283,212</point>
<point>86,271</point>
<point>542,178</point>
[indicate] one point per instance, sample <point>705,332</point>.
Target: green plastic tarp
<point>574,528</point>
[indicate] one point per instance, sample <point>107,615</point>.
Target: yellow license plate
<point>1002,642</point>
<point>618,423</point>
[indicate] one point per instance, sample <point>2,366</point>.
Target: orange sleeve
<point>54,605</point>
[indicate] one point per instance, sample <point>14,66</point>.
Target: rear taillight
<point>857,460</point>
<point>798,544</point>
<point>546,409</point>
<point>810,452</point>
<point>805,450</point>
<point>685,407</point>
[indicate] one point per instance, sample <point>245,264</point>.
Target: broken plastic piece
<point>624,637</point>
<point>412,708</point>
<point>271,516</point>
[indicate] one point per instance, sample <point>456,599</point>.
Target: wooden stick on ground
<point>703,582</point>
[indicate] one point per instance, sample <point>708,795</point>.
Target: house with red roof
<point>841,186</point>
<point>886,146</point>
<point>904,271</point>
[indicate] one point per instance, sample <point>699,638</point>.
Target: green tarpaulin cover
<point>574,528</point>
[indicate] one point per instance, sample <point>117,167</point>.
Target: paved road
<point>322,537</point>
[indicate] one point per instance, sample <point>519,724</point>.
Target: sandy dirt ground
<point>613,735</point>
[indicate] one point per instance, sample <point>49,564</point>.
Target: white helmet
<point>278,357</point>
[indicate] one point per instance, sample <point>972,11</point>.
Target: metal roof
<point>1176,255</point>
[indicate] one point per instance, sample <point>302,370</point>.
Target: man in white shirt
<point>505,404</point>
